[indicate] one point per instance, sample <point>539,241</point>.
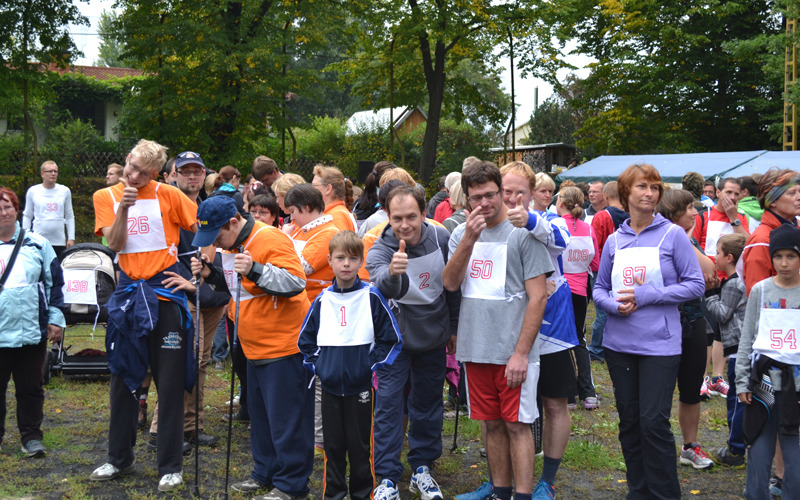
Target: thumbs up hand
<point>243,263</point>
<point>129,194</point>
<point>399,263</point>
<point>518,216</point>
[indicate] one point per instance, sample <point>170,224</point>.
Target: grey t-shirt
<point>488,330</point>
<point>763,292</point>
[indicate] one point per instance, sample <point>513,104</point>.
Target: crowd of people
<point>345,312</point>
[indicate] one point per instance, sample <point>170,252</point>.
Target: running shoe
<point>591,403</point>
<point>544,491</point>
<point>483,492</point>
<point>725,456</point>
<point>718,388</point>
<point>696,457</point>
<point>704,395</point>
<point>386,491</point>
<point>424,484</point>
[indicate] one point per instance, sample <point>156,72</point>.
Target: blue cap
<point>188,158</point>
<point>212,214</point>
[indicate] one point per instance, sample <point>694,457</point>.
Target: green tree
<point>220,73</point>
<point>698,75</point>
<point>34,33</point>
<point>112,46</point>
<point>551,122</point>
<point>410,48</point>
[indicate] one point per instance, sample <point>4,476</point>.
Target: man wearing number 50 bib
<point>406,264</point>
<point>148,324</point>
<point>767,375</point>
<point>501,272</point>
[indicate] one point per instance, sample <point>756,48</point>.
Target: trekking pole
<point>234,340</point>
<point>196,491</point>
<point>455,433</point>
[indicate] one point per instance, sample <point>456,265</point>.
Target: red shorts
<point>490,398</point>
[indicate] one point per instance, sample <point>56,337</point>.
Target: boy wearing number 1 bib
<point>348,333</point>
<point>768,368</point>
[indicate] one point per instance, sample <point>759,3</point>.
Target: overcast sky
<point>88,41</point>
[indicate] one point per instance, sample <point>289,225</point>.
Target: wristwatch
<point>736,222</point>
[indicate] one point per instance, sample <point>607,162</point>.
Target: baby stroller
<point>89,281</point>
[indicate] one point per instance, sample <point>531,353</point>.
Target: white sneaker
<point>106,472</point>
<point>386,491</point>
<point>170,481</point>
<point>424,484</point>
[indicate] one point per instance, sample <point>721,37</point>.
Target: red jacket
<point>757,262</point>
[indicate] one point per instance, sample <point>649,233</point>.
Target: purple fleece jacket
<point>654,329</point>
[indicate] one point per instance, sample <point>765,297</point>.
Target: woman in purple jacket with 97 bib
<point>647,268</point>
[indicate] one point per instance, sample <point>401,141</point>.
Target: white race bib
<point>486,272</point>
<point>777,335</point>
<point>145,226</point>
<point>80,286</point>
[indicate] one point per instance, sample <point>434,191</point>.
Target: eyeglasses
<point>190,173</point>
<point>476,199</point>
<point>259,213</point>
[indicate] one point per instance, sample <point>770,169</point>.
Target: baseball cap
<point>212,214</point>
<point>784,237</point>
<point>188,158</point>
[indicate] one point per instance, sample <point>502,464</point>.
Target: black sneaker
<point>34,449</point>
<point>725,456</point>
<point>203,438</point>
<point>239,416</point>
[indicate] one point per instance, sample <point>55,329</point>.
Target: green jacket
<point>751,207</point>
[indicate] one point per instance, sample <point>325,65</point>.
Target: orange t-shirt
<point>342,218</point>
<point>315,253</point>
<point>177,211</point>
<point>270,325</point>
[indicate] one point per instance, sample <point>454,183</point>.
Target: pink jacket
<point>581,255</point>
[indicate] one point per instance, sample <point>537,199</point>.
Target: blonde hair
<point>457,197</point>
<point>521,169</point>
<point>342,188</point>
<point>211,179</point>
<point>48,163</point>
<point>397,174</point>
<point>153,155</point>
<point>571,197</point>
<point>284,183</point>
<point>544,180</point>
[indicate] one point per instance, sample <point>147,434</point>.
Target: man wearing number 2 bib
<point>767,379</point>
<point>406,265</point>
<point>148,324</point>
<point>501,272</point>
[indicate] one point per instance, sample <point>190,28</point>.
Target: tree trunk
<point>427,161</point>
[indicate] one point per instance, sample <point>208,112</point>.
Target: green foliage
<point>551,122</point>
<point>703,75</point>
<point>409,48</point>
<point>219,74</point>
<point>323,141</point>
<point>112,45</point>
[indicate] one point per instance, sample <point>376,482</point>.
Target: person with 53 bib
<point>647,268</point>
